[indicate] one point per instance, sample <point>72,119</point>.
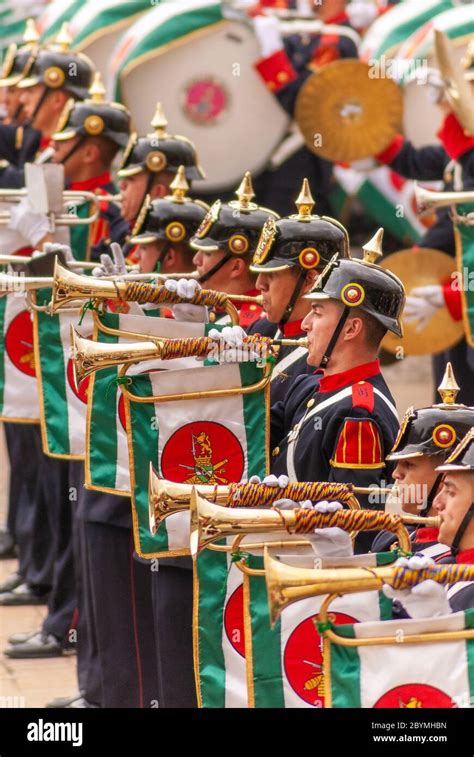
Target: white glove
<point>267,31</point>
<point>230,347</point>
<point>291,504</point>
<point>32,226</point>
<point>425,600</point>
<point>361,13</point>
<point>187,288</point>
<point>331,542</point>
<point>422,303</point>
<point>119,259</point>
<point>271,480</point>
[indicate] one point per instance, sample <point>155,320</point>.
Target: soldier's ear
<point>353,327</point>
<point>311,277</point>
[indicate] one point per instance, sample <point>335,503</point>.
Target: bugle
<point>427,199</point>
<point>70,197</point>
<point>15,283</point>
<point>210,522</point>
<point>89,356</point>
<point>287,584</point>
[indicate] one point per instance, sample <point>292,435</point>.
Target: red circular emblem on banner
<point>203,452</point>
<point>234,620</point>
<point>303,659</point>
<point>415,696</point>
<point>205,100</point>
<point>79,391</point>
<point>121,411</point>
<point>19,343</point>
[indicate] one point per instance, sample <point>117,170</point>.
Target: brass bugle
<point>90,356</point>
<point>60,219</point>
<point>287,584</point>
<point>23,260</point>
<point>427,199</point>
<point>69,286</point>
<point>167,498</point>
<point>210,522</point>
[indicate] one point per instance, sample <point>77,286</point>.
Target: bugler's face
<point>148,256</point>
<point>452,503</point>
<point>132,189</point>
<point>319,325</point>
<point>415,477</point>
<point>276,289</point>
<point>205,261</point>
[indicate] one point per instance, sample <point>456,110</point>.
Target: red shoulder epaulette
<point>249,313</point>
<point>359,445</point>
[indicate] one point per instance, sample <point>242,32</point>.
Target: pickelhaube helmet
<point>160,151</point>
<point>461,458</point>
<point>233,227</point>
<point>18,61</point>
<point>364,284</point>
<point>58,67</point>
<point>303,239</point>
<point>94,117</point>
<point>173,218</point>
<point>435,430</point>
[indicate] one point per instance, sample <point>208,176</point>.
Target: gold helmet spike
<point>373,248</point>
<point>31,34</point>
<point>97,89</point>
<point>159,122</point>
<point>245,191</point>
<point>63,39</point>
<point>179,185</point>
<point>448,389</point>
<point>305,202</point>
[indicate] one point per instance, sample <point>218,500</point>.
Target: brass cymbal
<point>346,115</point>
<point>422,267</point>
<point>456,89</point>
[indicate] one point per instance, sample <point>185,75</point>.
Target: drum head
<point>211,94</point>
<point>417,268</point>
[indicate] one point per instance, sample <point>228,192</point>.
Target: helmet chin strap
<point>332,342</point>
<point>292,301</point>
<point>206,276</point>
<point>462,529</point>
<point>431,495</point>
<point>73,149</point>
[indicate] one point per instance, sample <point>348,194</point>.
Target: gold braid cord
<point>201,346</point>
<point>404,578</point>
<point>349,520</point>
<point>259,495</point>
<point>136,292</point>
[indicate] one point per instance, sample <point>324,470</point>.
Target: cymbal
<point>456,89</point>
<point>422,267</point>
<point>346,115</point>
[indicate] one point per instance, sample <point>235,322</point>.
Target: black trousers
<point>172,590</point>
<point>28,519</point>
<point>122,616</point>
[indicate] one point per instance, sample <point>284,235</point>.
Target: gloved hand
<point>230,347</point>
<point>51,248</point>
<point>422,303</point>
<point>187,288</point>
<point>425,600</point>
<point>271,480</point>
<point>267,31</point>
<point>361,13</point>
<point>32,226</point>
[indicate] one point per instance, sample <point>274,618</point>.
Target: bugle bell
<point>287,584</point>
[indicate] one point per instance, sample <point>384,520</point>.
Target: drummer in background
<point>284,66</point>
<point>453,162</point>
<point>150,164</point>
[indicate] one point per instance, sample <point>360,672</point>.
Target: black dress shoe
<point>11,582</point>
<point>22,595</point>
<point>20,638</point>
<point>39,645</point>
<point>7,545</point>
<point>62,702</point>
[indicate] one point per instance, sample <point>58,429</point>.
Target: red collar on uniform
<point>466,556</point>
<point>346,378</point>
<point>339,18</point>
<point>44,143</point>
<point>424,535</point>
<point>94,183</point>
<point>293,328</point>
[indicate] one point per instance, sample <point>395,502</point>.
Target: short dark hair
<point>107,148</point>
<point>374,330</point>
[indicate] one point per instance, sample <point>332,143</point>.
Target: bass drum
<point>419,51</point>
<point>212,95</point>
